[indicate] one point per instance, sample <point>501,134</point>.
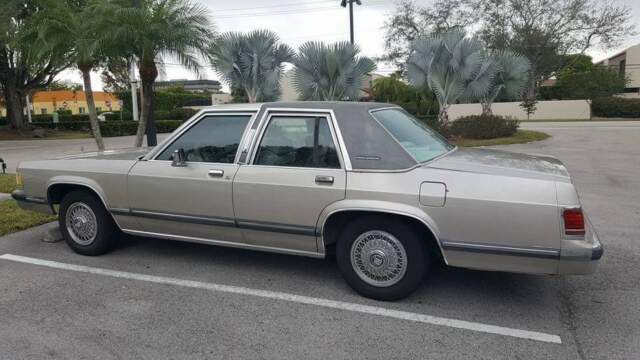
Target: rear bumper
<point>32,203</point>
<point>580,257</point>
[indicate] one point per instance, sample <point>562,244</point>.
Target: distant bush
<point>616,107</point>
<point>4,121</point>
<point>432,122</point>
<point>169,100</point>
<point>111,128</point>
<point>483,127</point>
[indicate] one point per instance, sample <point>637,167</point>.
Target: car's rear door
<point>193,201</point>
<point>293,172</point>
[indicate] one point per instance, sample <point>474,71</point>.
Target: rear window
<point>415,137</point>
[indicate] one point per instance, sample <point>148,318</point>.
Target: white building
<point>627,63</point>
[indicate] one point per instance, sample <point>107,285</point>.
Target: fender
<point>378,207</point>
<point>81,181</point>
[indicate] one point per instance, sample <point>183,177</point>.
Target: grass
<point>13,218</point>
<point>7,183</point>
<point>6,134</point>
<point>521,137</point>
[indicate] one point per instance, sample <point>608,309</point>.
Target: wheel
<point>85,224</point>
<point>381,258</point>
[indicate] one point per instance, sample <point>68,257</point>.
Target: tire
<point>83,209</point>
<point>381,258</point>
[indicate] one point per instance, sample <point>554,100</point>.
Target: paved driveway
<point>164,300</point>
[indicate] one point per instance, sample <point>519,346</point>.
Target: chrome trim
<point>336,135</point>
<point>310,254</point>
<point>153,155</point>
<point>320,232</point>
<point>502,250</point>
<point>203,220</point>
<point>276,227</point>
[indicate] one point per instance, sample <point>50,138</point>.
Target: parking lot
<point>155,299</point>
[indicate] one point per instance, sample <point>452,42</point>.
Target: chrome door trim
<point>277,227</point>
<point>532,252</point>
<point>310,254</point>
<point>153,155</point>
<point>343,155</point>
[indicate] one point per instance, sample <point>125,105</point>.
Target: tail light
<point>573,221</point>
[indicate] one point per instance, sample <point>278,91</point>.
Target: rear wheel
<point>381,258</point>
<point>86,225</point>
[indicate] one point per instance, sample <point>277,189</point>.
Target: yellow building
<point>46,102</point>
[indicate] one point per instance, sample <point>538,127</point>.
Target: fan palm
<point>453,66</point>
<point>61,24</point>
<point>330,72</point>
<point>253,62</point>
<point>512,75</point>
<point>178,29</point>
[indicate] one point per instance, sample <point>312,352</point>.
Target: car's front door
<point>194,200</point>
<point>294,173</point>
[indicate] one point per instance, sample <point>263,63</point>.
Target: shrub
<point>484,127</point>
<point>112,128</point>
<point>169,100</point>
<point>616,107</point>
<point>4,121</point>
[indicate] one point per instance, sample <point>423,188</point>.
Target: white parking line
<point>275,295</point>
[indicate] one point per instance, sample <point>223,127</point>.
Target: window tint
<point>417,139</point>
<point>298,142</point>
<point>214,139</point>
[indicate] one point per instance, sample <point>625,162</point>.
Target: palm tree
<point>61,24</point>
<point>253,62</point>
<point>330,72</point>
<point>512,75</point>
<point>177,29</point>
<point>453,66</point>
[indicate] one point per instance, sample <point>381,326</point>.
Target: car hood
<point>121,154</point>
<point>505,163</point>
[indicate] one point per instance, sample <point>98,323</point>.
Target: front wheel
<point>381,258</point>
<point>86,225</point>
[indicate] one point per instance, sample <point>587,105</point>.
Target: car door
<point>295,170</point>
<point>195,200</point>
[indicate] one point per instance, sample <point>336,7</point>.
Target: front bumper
<point>580,256</point>
<point>31,203</point>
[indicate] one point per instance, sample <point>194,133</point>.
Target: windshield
<point>416,138</point>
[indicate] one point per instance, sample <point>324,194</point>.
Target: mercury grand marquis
<point>364,181</point>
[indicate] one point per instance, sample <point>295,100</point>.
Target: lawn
<point>13,218</point>
<point>7,183</point>
<point>521,137</point>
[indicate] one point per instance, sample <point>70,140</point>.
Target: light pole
<point>344,5</point>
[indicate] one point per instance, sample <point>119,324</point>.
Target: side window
<point>298,142</point>
<point>214,139</point>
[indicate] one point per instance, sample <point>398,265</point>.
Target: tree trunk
<point>93,116</point>
<point>443,116</point>
<point>15,111</point>
<point>486,109</point>
<point>148,75</point>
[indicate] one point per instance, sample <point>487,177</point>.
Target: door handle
<point>323,179</point>
<point>216,173</point>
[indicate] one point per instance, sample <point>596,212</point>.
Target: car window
<point>416,138</point>
<point>214,139</point>
<point>298,142</point>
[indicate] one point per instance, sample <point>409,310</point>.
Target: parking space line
<point>275,295</point>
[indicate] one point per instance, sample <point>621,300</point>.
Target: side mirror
<point>179,158</point>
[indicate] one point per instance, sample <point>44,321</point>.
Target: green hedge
<point>112,128</point>
<point>484,127</point>
<point>616,107</point>
<point>167,100</point>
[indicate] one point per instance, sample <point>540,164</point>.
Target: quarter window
<point>214,139</point>
<point>298,142</point>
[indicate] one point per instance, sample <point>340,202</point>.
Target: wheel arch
<point>333,219</point>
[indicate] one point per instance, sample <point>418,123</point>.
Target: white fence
<point>546,110</point>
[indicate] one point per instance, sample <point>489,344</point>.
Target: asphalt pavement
<point>156,299</point>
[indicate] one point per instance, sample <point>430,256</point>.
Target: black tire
<point>416,257</point>
<point>107,233</point>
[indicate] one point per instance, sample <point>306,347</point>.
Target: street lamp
<point>344,5</point>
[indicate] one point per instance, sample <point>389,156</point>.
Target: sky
<point>324,20</point>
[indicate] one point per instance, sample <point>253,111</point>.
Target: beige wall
<point>631,56</point>
<point>546,110</point>
<point>219,99</point>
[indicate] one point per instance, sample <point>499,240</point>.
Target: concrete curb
<point>4,196</point>
<point>52,234</point>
